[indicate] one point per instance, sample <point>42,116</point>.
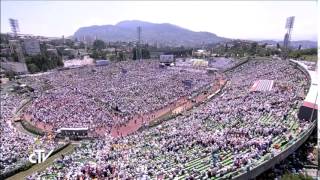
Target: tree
<point>4,38</point>
<point>33,68</point>
<point>97,54</point>
<point>43,62</point>
<point>15,57</point>
<point>121,56</point>
<point>99,44</point>
<point>294,54</point>
<point>81,45</point>
<point>43,48</point>
<point>69,43</point>
<point>275,52</point>
<point>264,45</point>
<point>134,52</point>
<point>311,51</point>
<point>71,56</point>
<point>144,53</point>
<point>59,62</point>
<point>253,48</point>
<point>112,57</point>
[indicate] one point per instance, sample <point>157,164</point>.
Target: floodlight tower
<point>15,44</point>
<point>14,26</point>
<point>287,36</point>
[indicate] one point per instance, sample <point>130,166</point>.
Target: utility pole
<point>138,44</point>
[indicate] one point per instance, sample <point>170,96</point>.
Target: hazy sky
<point>244,20</point>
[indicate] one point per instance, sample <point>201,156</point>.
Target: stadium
<point>145,120</point>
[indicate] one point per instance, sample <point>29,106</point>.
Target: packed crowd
<point>302,162</point>
<point>69,109</point>
<point>15,146</point>
<point>231,133</point>
<point>76,98</point>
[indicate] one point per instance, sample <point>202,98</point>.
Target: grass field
<point>312,58</point>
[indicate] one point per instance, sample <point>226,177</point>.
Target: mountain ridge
<point>163,33</point>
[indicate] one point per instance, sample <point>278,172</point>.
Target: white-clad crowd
<point>111,95</point>
<point>231,132</point>
<point>15,146</point>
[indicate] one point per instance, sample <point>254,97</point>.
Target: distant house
<point>31,46</point>
<point>111,50</point>
<point>200,53</point>
<point>52,51</point>
<point>166,59</point>
<point>270,46</point>
<point>5,51</point>
<point>17,67</point>
<point>70,51</point>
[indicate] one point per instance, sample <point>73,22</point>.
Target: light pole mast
<point>287,36</point>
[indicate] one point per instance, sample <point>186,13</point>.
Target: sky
<point>240,20</point>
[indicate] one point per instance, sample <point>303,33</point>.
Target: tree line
<point>98,52</point>
<point>43,61</point>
